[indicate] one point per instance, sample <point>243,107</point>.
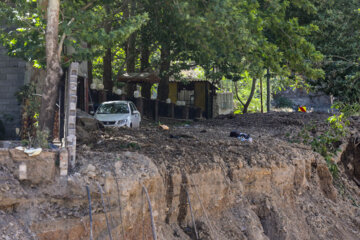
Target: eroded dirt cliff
<point>268,189</point>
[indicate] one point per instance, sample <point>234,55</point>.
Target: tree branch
<point>60,47</point>
<point>236,93</point>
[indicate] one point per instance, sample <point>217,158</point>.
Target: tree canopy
<point>299,42</point>
<point>338,38</point>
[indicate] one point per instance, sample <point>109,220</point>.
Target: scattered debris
<point>241,136</point>
<point>30,151</point>
<point>33,151</point>
<point>164,127</point>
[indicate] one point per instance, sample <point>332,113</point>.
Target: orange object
<point>164,127</point>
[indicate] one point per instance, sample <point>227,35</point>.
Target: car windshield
<point>113,108</point>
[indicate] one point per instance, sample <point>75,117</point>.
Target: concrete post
<point>22,171</point>
<point>70,112</point>
<point>63,162</point>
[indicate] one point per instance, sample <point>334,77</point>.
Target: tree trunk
<point>268,90</point>
<point>107,67</point>
<point>131,44</point>
<point>90,69</point>
<point>163,90</point>
<point>131,54</point>
<point>261,95</point>
<point>53,69</point>
<point>237,93</point>
<point>246,106</point>
<point>145,55</point>
<point>107,59</point>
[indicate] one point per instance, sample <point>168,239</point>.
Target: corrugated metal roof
<point>144,77</point>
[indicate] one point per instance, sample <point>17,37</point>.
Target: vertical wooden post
<point>185,112</point>
<point>139,105</point>
<point>268,90</point>
<point>171,110</point>
<point>86,95</point>
<point>261,95</point>
<point>156,110</point>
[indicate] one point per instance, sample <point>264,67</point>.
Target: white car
<point>118,114</point>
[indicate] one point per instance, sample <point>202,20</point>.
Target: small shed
<point>189,90</point>
<point>193,91</point>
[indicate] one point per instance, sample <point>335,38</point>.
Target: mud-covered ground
<point>274,187</point>
<point>192,146</point>
<point>193,142</point>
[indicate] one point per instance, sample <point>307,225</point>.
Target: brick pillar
<point>63,162</point>
<point>70,111</point>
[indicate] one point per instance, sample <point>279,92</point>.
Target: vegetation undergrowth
<point>30,134</point>
<point>327,142</point>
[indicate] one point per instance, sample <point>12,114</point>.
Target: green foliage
<point>81,23</point>
<point>327,142</point>
<point>244,88</point>
<point>348,109</point>
<point>29,100</point>
<point>22,30</point>
<point>41,139</point>
<point>338,39</point>
<point>30,103</point>
<point>227,38</point>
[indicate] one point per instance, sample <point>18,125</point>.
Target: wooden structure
<point>190,98</point>
<point>195,93</point>
<point>145,79</point>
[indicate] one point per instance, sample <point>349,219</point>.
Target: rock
<point>90,168</point>
<point>326,181</point>
<point>87,121</point>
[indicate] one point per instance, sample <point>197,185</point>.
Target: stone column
<point>70,112</point>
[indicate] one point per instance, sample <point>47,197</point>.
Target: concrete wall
<point>223,103</point>
<point>12,75</point>
<point>318,102</point>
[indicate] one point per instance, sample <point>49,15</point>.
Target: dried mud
<point>274,187</point>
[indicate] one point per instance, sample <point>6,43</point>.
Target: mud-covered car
<point>118,114</point>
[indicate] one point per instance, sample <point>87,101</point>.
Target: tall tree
<point>53,68</point>
<point>338,39</point>
<point>79,24</point>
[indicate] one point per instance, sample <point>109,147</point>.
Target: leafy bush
<point>327,143</point>
<point>348,109</point>
<point>30,132</point>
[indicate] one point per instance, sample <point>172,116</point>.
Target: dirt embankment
<point>268,189</point>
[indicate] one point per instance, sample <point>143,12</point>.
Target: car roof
<point>116,102</point>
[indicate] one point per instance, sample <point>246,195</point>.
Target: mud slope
<point>267,189</point>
